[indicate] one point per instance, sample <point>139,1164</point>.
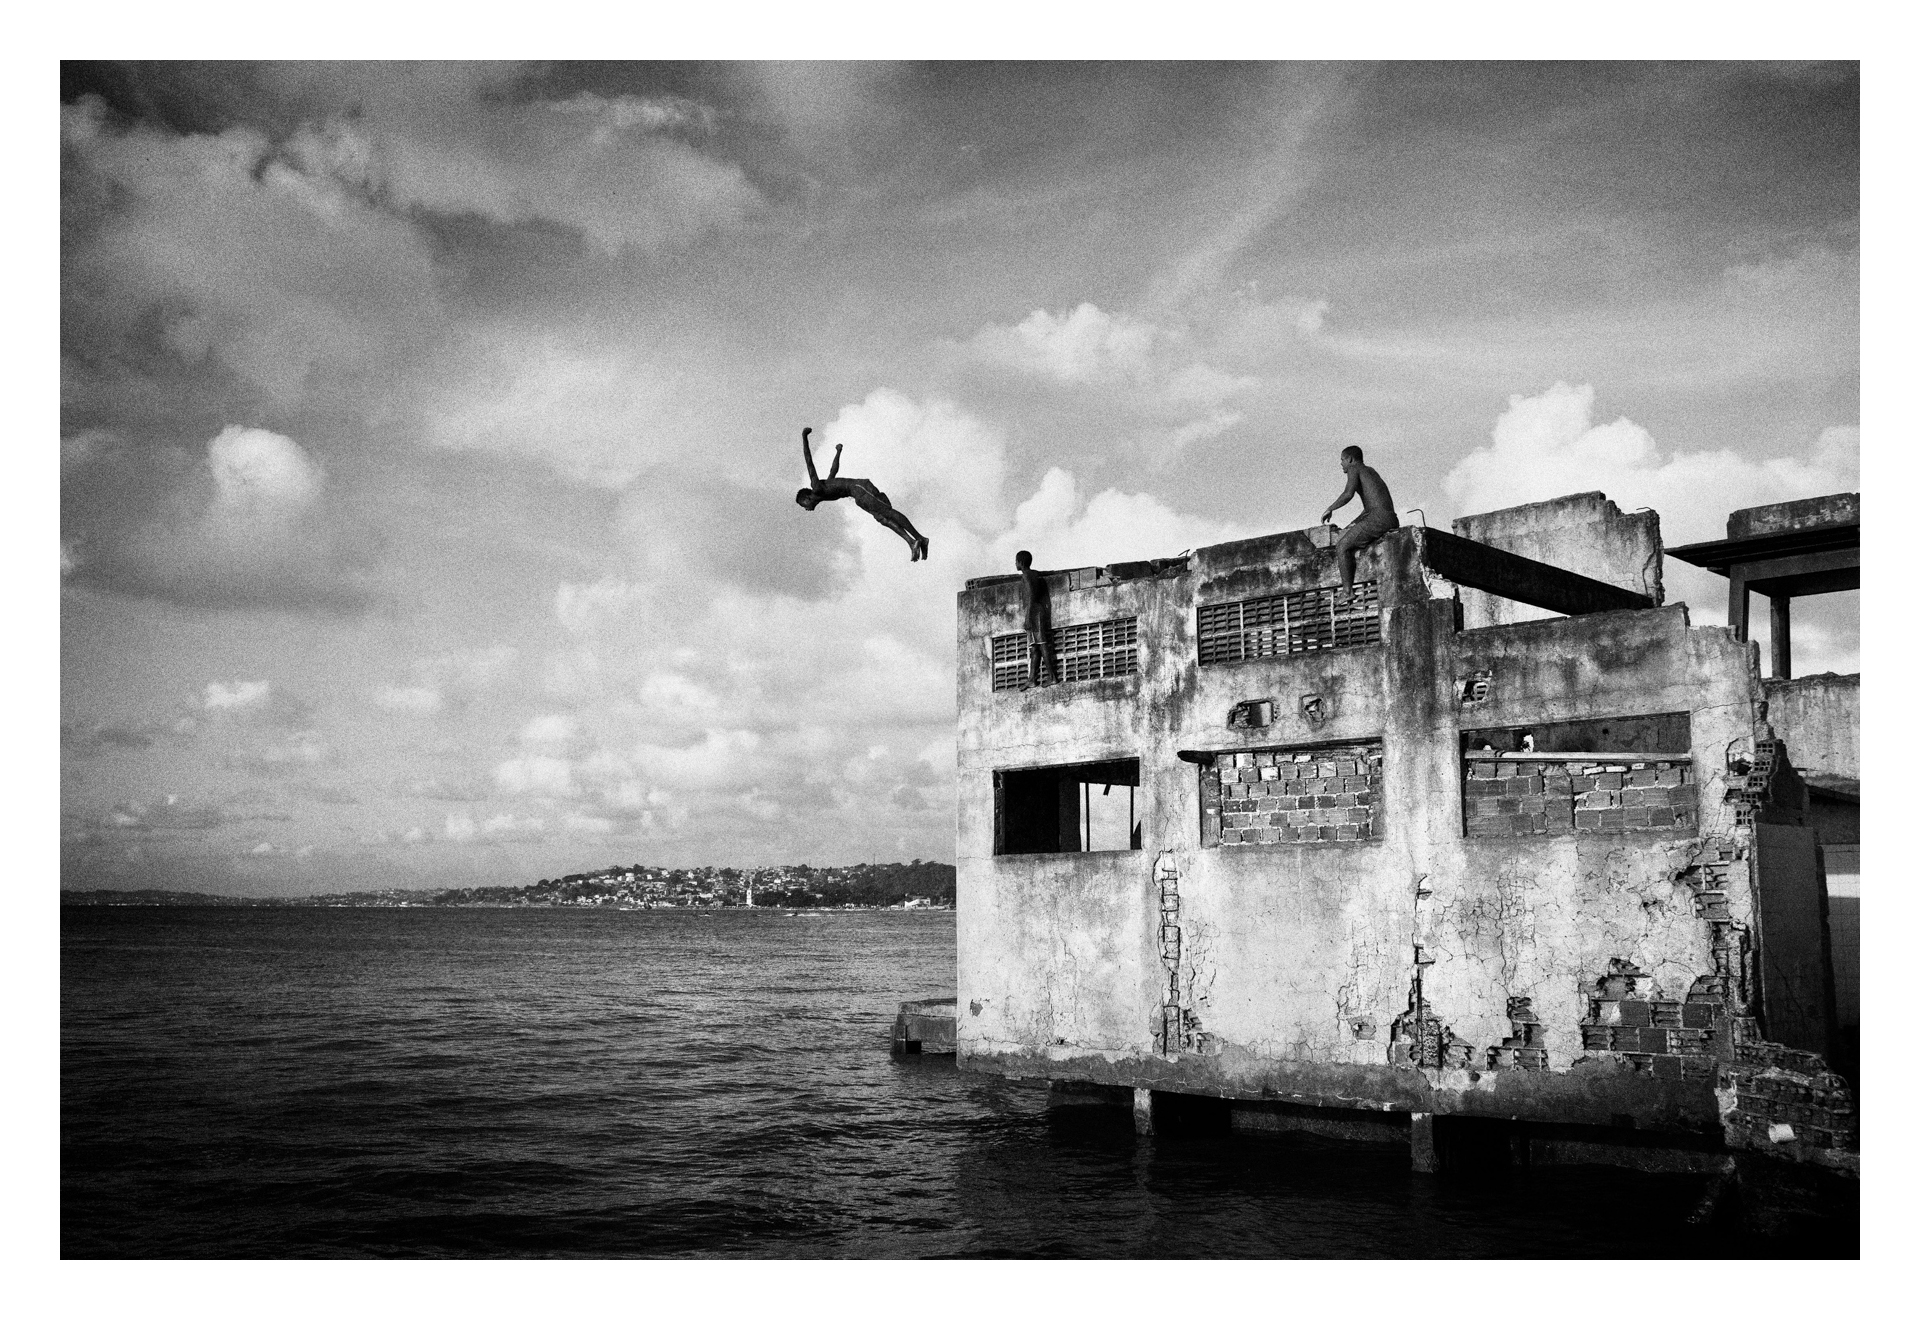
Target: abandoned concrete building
<point>1502,837</point>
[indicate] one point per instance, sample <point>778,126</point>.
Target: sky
<point>429,433</point>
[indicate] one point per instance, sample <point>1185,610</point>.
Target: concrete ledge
<point>1596,1092</point>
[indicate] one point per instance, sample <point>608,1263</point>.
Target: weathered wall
<point>1421,969</point>
<point>1794,515</point>
<point>1818,717</point>
<point>1586,534</point>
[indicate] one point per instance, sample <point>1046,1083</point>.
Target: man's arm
<point>1353,484</point>
<point>813,477</point>
<point>834,471</point>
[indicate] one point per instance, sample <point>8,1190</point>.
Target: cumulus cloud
<point>245,528</point>
<point>934,453</point>
<point>259,474</point>
<point>1091,347</point>
<point>1065,528</point>
<point>1548,444</point>
<point>1083,347</point>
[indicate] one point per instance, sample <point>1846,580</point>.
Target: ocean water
<point>246,1082</point>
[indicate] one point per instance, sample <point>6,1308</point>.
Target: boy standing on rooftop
<point>1038,622</point>
<point>1376,520</point>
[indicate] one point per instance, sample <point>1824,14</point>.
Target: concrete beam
<point>1805,575</point>
<point>1485,568</point>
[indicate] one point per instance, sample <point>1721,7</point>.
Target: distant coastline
<point>917,884</point>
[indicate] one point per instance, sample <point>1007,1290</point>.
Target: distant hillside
<point>637,885</point>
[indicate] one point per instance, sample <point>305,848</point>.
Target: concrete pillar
<point>1424,1158</point>
<point>1143,1111</point>
<point>1737,601</point>
<point>1782,637</point>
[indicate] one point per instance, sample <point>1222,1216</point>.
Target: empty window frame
<point>1331,793</point>
<point>1632,772</point>
<point>1093,807</point>
<point>1287,625</point>
<point>1105,649</point>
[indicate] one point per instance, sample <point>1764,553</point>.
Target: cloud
<point>1548,445</point>
<point>1065,529</point>
<point>507,825</point>
<point>259,474</point>
<point>242,694</point>
<point>254,703</point>
<point>934,454</point>
<point>1083,347</point>
<point>1090,347</point>
<point>546,729</point>
<point>248,527</point>
<point>542,776</point>
<point>409,700</point>
<point>460,828</point>
<point>614,169</point>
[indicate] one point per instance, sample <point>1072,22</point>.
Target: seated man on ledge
<point>1376,520</point>
<point>858,489</point>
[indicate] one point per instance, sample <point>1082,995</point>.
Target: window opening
<point>1330,793</point>
<point>1107,648</point>
<point>1287,625</point>
<point>1631,772</point>
<point>1055,808</point>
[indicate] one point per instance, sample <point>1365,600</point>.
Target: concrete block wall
<point>1505,798</point>
<point>1287,795</point>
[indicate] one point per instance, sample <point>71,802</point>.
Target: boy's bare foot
<point>920,548</point>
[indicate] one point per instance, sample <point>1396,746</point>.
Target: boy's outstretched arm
<point>813,477</point>
<point>834,471</point>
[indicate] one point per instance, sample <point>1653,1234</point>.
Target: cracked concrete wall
<point>1585,534</point>
<point>1296,959</point>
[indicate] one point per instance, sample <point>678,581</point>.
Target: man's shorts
<point>1366,529</point>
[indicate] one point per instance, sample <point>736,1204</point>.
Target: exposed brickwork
<point>1417,1038</point>
<point>1750,794</point>
<point>1522,797</point>
<point>1789,1104</point>
<point>1527,1046</point>
<point>1665,1037</point>
<point>1299,795</point>
<point>1175,1027</point>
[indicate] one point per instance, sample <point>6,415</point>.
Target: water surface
<point>462,1082</point>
